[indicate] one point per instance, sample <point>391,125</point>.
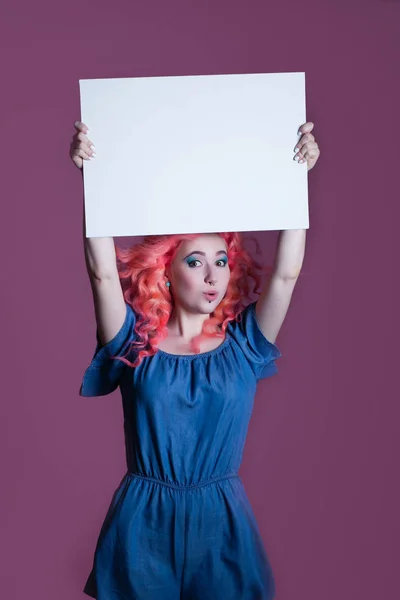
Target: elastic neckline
<point>216,350</point>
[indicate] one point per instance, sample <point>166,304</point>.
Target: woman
<point>174,333</point>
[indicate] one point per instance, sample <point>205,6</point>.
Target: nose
<point>210,279</point>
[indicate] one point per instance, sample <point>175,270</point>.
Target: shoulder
<point>256,348</point>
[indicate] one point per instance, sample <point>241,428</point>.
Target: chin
<point>212,306</point>
<point>206,308</point>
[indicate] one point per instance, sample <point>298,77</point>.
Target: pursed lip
<point>212,294</point>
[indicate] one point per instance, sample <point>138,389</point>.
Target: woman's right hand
<point>81,147</point>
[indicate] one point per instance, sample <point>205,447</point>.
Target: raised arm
<point>109,303</point>
<point>274,300</point>
<point>275,297</point>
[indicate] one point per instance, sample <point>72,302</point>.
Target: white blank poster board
<point>194,154</point>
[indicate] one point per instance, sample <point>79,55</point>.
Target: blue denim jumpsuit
<point>180,526</point>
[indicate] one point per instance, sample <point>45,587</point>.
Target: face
<point>200,265</point>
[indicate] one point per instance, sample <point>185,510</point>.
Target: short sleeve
<point>258,350</point>
<point>104,373</point>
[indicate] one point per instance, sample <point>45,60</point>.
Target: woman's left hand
<point>307,148</point>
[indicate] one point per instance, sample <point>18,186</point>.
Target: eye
<point>191,262</point>
<point>223,261</point>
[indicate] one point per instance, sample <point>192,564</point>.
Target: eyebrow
<point>203,253</point>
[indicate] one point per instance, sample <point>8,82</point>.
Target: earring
<point>168,283</point>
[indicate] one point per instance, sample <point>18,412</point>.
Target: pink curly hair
<point>141,271</point>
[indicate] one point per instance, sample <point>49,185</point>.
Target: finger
<point>308,137</point>
<point>311,153</point>
<point>81,126</point>
<point>307,146</point>
<point>309,150</point>
<point>304,149</point>
<point>82,153</point>
<point>306,127</point>
<point>83,138</point>
<point>88,149</point>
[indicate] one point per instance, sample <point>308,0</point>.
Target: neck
<point>184,324</point>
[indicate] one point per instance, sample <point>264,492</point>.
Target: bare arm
<point>274,301</point>
<point>275,297</point>
<point>109,303</point>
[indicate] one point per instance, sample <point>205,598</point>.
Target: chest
<point>211,384</point>
<point>175,346</point>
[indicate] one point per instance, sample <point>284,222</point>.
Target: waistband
<point>183,486</point>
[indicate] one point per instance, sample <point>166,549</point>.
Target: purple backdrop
<point>323,445</point>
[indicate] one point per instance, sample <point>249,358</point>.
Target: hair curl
<point>141,269</point>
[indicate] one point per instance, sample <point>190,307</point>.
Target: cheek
<point>187,280</point>
<point>227,276</point>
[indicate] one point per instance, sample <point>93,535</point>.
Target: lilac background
<point>322,453</point>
